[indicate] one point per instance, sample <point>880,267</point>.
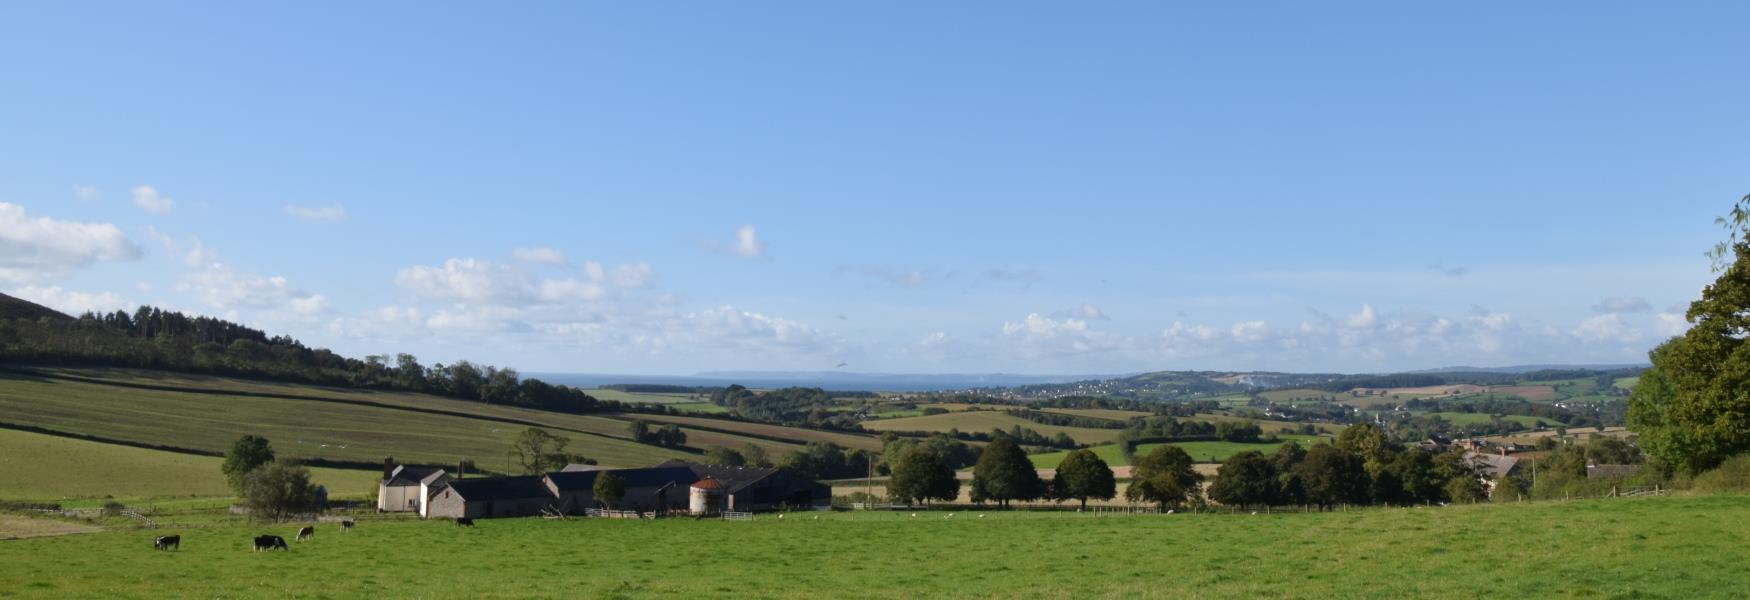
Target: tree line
<point>159,339</point>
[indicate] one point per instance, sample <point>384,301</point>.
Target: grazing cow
<point>270,542</point>
<point>166,542</point>
<point>306,533</point>
<point>345,526</point>
<point>464,522</point>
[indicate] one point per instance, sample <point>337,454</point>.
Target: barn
<point>748,489</point>
<point>659,489</point>
<point>492,497</point>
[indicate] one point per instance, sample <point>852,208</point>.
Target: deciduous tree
<point>1082,475</point>
<point>1164,476</point>
<point>247,454</point>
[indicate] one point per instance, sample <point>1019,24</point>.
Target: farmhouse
<point>406,488</point>
<point>1492,467</point>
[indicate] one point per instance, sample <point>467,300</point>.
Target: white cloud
<point>316,214</point>
<point>561,290</point>
<point>467,279</point>
<point>1085,311</point>
<point>86,193</point>
<point>539,255</point>
<point>1670,324</point>
<point>71,302</point>
<point>730,327</point>
<point>1606,328</point>
<point>225,288</point>
<point>934,338</point>
<point>1622,305</point>
<point>1038,335</point>
<point>198,255</point>
<point>32,249</point>
<point>1364,319</point>
<point>147,198</point>
<point>747,242</point>
<point>634,275</point>
<point>1247,332</point>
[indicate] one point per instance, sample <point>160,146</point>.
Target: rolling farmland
<point>1673,547</point>
<point>46,467</point>
<point>987,420</point>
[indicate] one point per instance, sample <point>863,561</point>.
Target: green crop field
<point>46,467</point>
<point>648,398</point>
<point>1675,547</point>
<point>1468,419</point>
<point>1626,383</point>
<point>984,421</point>
<point>299,428</point>
<point>1201,451</point>
<point>1099,413</point>
<point>798,434</point>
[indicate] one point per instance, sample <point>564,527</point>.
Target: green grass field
<point>299,428</point>
<point>799,435</point>
<point>984,421</point>
<point>1099,413</point>
<point>45,467</point>
<point>1678,547</point>
<point>1201,451</point>
<point>1468,419</point>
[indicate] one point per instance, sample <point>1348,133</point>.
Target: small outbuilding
<point>492,497</point>
<point>705,497</point>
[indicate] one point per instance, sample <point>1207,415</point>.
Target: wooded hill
<point>159,339</point>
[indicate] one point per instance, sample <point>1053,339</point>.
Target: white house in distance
<point>408,488</point>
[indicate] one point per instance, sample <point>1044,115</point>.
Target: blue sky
<point>900,187</point>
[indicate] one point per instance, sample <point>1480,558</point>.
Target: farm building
<point>492,497</point>
<point>405,488</point>
<point>662,489</point>
<point>658,489</point>
<point>754,490</point>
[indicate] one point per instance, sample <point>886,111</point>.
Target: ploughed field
<point>1673,547</point>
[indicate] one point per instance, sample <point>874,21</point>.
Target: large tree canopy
<point>247,454</point>
<point>1692,408</point>
<point>1003,473</point>
<point>1082,475</point>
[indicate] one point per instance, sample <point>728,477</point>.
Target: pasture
<point>46,467</point>
<point>985,421</point>
<point>1467,419</point>
<point>1099,413</point>
<point>301,428</point>
<point>797,434</point>
<point>1673,547</point>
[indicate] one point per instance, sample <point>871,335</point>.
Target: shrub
<point>1733,475</point>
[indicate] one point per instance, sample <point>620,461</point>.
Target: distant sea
<point>878,382</point>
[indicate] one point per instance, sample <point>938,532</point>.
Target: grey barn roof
<point>500,488</point>
<point>410,475</point>
<point>656,476</point>
<point>732,478</point>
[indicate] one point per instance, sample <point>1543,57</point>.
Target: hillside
<point>51,468</point>
<point>205,414</point>
<point>18,308</point>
